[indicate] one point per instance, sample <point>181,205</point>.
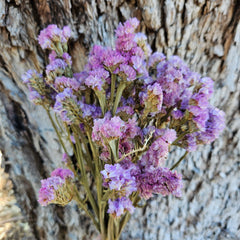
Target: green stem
<point>83,172</point>
<point>120,89</point>
<point>113,85</point>
<point>84,207</point>
<point>178,162</point>
<point>56,130</point>
<point>180,137</point>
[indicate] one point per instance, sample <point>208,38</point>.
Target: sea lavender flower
<point>55,188</point>
<point>97,78</point>
<point>62,173</point>
<point>30,75</point>
<point>155,58</point>
<point>152,99</point>
<point>125,35</point>
<point>64,158</point>
<point>88,110</point>
<point>112,59</point>
<point>172,75</point>
<point>107,128</point>
<point>159,181</point>
<point>52,34</point>
<point>47,190</point>
<point>214,126</point>
<point>67,107</point>
<point>120,206</point>
<point>63,82</point>
<point>115,177</point>
<point>141,40</point>
<point>126,72</point>
<point>158,150</point>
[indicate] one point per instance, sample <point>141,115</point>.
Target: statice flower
<point>89,110</point>
<point>152,99</point>
<point>47,190</point>
<point>158,150</point>
<point>54,189</point>
<point>159,181</point>
<point>155,58</point>
<point>112,59</point>
<point>67,107</point>
<point>214,125</point>
<point>62,173</point>
<point>120,206</point>
<point>125,35</point>
<point>126,72</point>
<point>63,82</point>
<point>141,40</point>
<point>172,75</point>
<point>97,78</point>
<point>107,128</point>
<point>115,177</point>
<point>52,34</point>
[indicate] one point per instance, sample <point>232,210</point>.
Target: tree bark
<point>206,34</point>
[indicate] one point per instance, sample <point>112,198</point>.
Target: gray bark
<point>206,34</point>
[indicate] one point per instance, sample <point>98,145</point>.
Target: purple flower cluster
<point>158,150</point>
<point>115,177</point>
<point>52,34</point>
<point>50,186</point>
<point>65,105</point>
<point>135,105</point>
<point>120,206</point>
<point>159,181</point>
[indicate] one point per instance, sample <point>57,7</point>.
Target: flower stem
<point>120,89</point>
<point>178,162</point>
<point>56,130</point>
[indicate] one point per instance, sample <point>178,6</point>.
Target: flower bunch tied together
<point>121,115</point>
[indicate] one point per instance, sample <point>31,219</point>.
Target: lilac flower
<point>159,181</point>
<point>120,206</point>
<point>117,178</point>
<point>62,173</point>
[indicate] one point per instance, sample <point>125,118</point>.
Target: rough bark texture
<point>206,34</point>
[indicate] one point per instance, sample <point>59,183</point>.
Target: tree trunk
<point>206,34</point>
